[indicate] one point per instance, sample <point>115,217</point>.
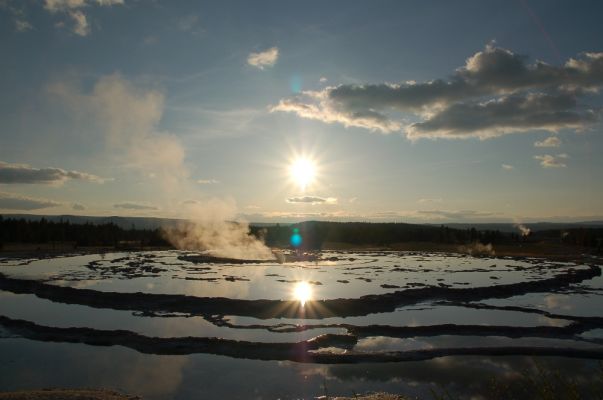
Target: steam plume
<point>211,229</point>
<point>525,231</point>
<point>478,249</point>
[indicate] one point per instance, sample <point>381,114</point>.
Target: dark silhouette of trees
<point>88,234</point>
<point>316,233</point>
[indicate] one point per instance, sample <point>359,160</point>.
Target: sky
<point>403,111</point>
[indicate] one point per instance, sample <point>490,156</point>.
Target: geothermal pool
<point>158,325</point>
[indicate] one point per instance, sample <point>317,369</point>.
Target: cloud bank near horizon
<point>13,201</point>
<point>24,173</point>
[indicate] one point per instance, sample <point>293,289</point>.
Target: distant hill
<point>122,222</point>
<point>153,223</point>
<point>534,227</point>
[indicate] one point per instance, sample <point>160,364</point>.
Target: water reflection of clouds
<point>381,343</point>
<point>182,376</point>
<point>557,302</point>
<point>366,273</point>
<point>465,377</point>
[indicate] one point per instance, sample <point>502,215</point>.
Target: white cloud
<point>22,25</point>
<point>80,23</point>
<point>550,161</point>
<point>62,5</point>
<point>507,167</point>
<point>312,200</point>
<point>13,201</point>
<point>73,9</point>
<point>135,206</point>
<point>408,216</point>
<point>263,59</point>
<point>495,93</point>
<point>453,214</point>
<point>326,111</point>
<point>109,2</point>
<point>551,141</point>
<point>207,181</point>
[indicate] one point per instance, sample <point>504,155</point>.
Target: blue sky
<point>410,111</point>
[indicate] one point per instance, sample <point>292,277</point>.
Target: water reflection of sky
<point>338,275</point>
<point>29,364</point>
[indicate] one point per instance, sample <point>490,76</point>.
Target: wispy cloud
<point>190,24</point>
<point>135,206</point>
<point>454,215</point>
<point>409,216</point>
<point>23,173</point>
<point>13,201</point>
<point>17,10</point>
<point>430,200</point>
<point>80,23</point>
<point>263,59</point>
<point>207,181</point>
<point>127,116</point>
<point>62,5</point>
<point>78,207</point>
<point>496,92</point>
<point>507,167</point>
<point>551,141</point>
<point>74,10</point>
<point>22,25</point>
<point>312,200</point>
<point>550,161</point>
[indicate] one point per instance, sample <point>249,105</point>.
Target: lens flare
<point>296,239</point>
<point>303,172</point>
<point>302,292</point>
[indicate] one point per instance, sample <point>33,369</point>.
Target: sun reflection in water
<point>302,292</point>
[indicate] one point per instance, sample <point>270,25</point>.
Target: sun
<point>302,292</point>
<point>303,172</point>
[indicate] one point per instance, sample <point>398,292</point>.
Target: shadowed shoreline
<point>303,351</point>
<point>264,309</point>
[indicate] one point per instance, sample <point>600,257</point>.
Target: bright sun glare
<point>303,172</point>
<point>302,292</point>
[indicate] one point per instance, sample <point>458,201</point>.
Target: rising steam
<point>478,249</point>
<point>524,230</point>
<point>211,229</point>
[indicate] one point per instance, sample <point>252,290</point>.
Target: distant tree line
<point>316,233</point>
<point>587,237</point>
<point>43,231</point>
